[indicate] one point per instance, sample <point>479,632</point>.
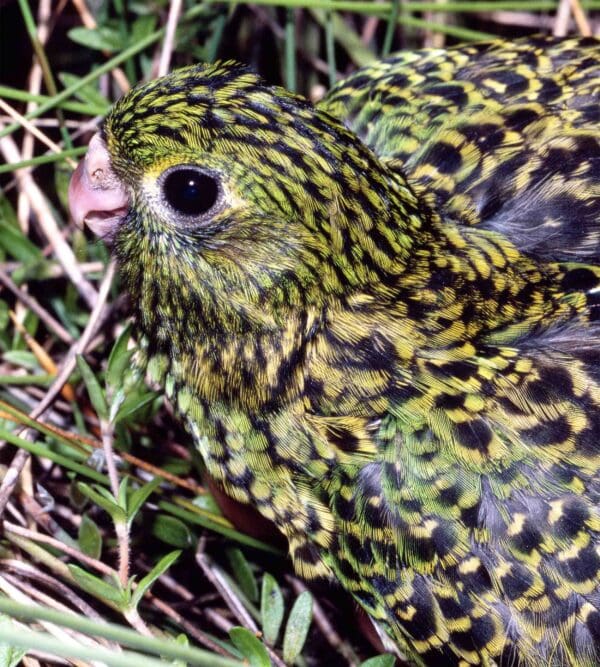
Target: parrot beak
<point>96,196</point>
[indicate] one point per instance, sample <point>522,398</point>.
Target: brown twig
<point>61,546</point>
<point>189,628</point>
<point>580,18</point>
<point>68,365</point>
<point>32,129</point>
<point>214,575</point>
<point>27,570</point>
<point>53,324</point>
<point>169,41</point>
<point>48,224</point>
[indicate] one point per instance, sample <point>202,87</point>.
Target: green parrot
<point>379,319</point>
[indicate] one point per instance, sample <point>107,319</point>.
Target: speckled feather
<point>386,334</point>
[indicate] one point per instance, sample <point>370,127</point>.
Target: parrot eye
<point>190,191</point>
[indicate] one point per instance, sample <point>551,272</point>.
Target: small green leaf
<point>7,212</point>
<point>9,655</point>
<point>138,497</point>
<point>297,627</point>
<point>93,388</point>
<point>162,566</point>
<point>207,503</point>
<point>250,647</point>
<point>103,499</point>
<point>172,531</point>
<point>116,400</point>
<point>98,587</point>
<point>21,358</point>
<point>16,244</point>
<point>62,177</point>
<point>122,495</point>
<point>89,537</point>
<point>118,360</point>
<point>103,38</point>
<point>142,27</point>
<point>243,573</point>
<point>383,660</point>
<point>133,402</point>
<point>271,608</point>
<point>89,94</point>
<point>4,318</point>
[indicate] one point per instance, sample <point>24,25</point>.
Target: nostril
<point>96,196</point>
<point>98,176</point>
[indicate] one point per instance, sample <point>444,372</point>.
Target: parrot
<point>378,318</point>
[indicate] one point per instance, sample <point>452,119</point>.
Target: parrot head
<point>241,196</point>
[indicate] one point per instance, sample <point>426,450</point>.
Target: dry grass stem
<point>94,563</point>
<point>46,220</point>
<point>169,41</point>
<point>52,323</point>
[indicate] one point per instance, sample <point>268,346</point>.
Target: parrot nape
<point>379,319</point>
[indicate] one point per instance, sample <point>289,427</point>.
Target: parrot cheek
<point>96,197</point>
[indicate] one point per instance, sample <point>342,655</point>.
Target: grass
<point>114,549</point>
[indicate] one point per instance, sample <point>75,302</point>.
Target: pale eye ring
<point>191,191</point>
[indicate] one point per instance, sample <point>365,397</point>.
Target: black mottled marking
<point>314,523</point>
<point>443,539</point>
<point>449,91</point>
<point>446,158</point>
<point>593,303</point>
<point>482,630</point>
<point>360,549</point>
<point>410,505</point>
<point>573,518</point>
<point>590,113</point>
<point>307,553</point>
<point>593,624</point>
<point>441,278</point>
<point>548,432</point>
<point>366,599</point>
<point>476,582</point>
<point>383,585</point>
<point>444,656</point>
<point>450,496</point>
<point>516,582</point>
<point>470,516</point>
<point>343,440</point>
<point>374,513</point>
<point>588,440</point>
<point>550,378</point>
<point>347,569</point>
<point>461,370</point>
<point>452,608</point>
<point>475,434</point>
<point>422,625</point>
<point>345,509</point>
<point>510,407</point>
<point>516,83</point>
<point>171,133</point>
<point>584,566</point>
<point>450,401</point>
<point>550,91</point>
<point>521,117</point>
<point>529,537</point>
<point>243,481</point>
<point>486,136</point>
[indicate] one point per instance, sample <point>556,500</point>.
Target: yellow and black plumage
<point>379,318</point>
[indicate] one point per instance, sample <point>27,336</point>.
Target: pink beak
<point>96,196</point>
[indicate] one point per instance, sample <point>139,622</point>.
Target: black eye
<point>191,191</point>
